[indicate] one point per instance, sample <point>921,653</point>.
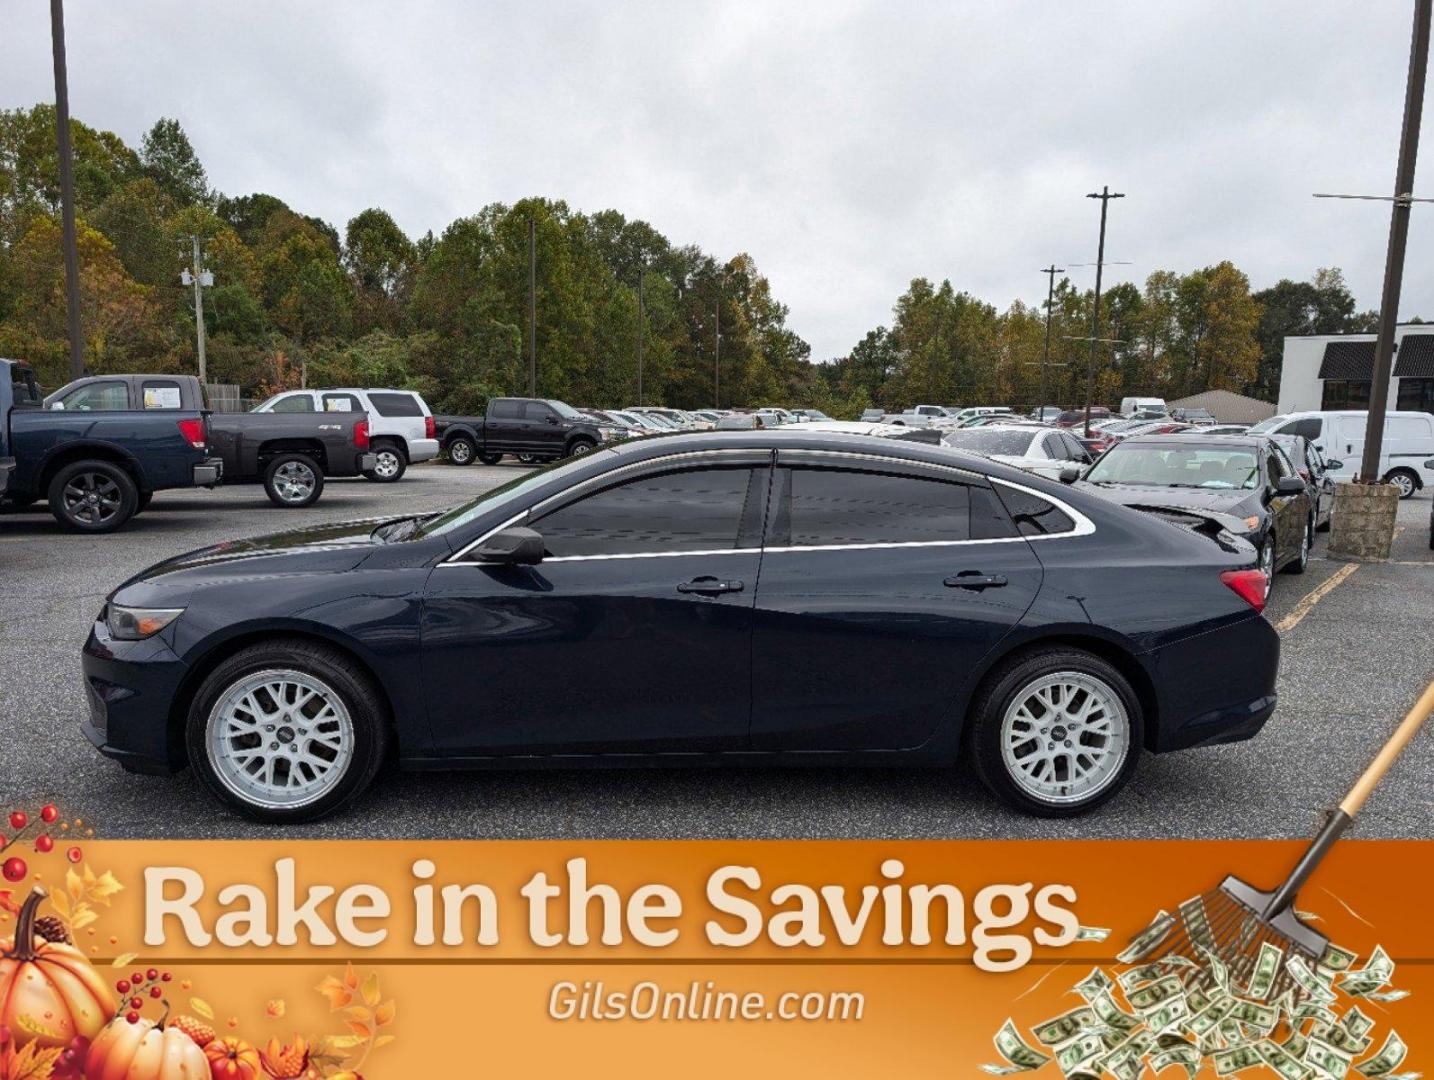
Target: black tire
<point>1302,562</point>
<point>1406,480</point>
<point>1267,563</point>
<point>462,450</point>
<point>392,463</point>
<point>93,496</point>
<point>293,481</point>
<point>338,674</point>
<point>999,693</point>
<point>490,459</point>
<point>580,446</point>
<point>529,459</point>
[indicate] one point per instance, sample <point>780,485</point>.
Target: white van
<point>400,426</point>
<point>1404,456</point>
<point>1129,406</point>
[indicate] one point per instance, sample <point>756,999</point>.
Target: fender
<point>77,449</point>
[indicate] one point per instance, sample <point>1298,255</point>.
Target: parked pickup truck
<point>533,429</point>
<point>96,469</point>
<point>289,453</point>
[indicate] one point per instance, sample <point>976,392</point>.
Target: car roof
<point>1186,438</point>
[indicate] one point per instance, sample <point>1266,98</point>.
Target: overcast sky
<point>847,145</point>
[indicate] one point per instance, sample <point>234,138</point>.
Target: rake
<point>1234,921</point>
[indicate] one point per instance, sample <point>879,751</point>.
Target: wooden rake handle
<point>1407,729</point>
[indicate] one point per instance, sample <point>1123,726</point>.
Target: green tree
<point>168,158</point>
<point>379,258</point>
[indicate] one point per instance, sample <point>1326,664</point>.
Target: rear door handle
<point>975,580</point>
<point>710,586</point>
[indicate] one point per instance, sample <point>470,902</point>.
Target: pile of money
<point>1299,1018</point>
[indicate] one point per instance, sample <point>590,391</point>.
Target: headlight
<point>1252,523</point>
<point>136,624</point>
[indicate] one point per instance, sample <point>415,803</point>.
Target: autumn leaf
<point>7,902</point>
<point>383,1040</point>
<point>31,1062</point>
<point>338,994</point>
<point>123,960</point>
<point>359,1013</point>
<point>363,1031</point>
<point>202,1007</point>
<point>384,1014</point>
<point>276,1008</point>
<point>351,979</point>
<point>371,994</point>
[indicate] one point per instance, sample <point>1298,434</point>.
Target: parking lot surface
<point>1357,652</point>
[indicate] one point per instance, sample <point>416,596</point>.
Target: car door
<point>1291,512</point>
<point>542,429</point>
<point>883,586</point>
<point>100,395</point>
<point>633,635</point>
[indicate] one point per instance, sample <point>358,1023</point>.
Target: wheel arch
<point>459,431</point>
<point>68,453</point>
<point>273,448</point>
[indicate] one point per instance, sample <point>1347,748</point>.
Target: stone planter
<point>1363,521</point>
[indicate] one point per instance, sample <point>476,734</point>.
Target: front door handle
<point>975,580</point>
<point>710,586</point>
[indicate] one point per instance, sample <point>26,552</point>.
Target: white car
<point>400,426</point>
<point>1036,449</point>
<point>1339,435</point>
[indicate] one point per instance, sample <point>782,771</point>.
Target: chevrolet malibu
<point>756,597</point>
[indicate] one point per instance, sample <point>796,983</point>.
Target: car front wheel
<point>287,731</point>
<point>1056,732</point>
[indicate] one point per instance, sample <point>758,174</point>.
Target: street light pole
<point>717,352</point>
<point>1104,195</point>
<point>532,306</point>
<point>67,189</point>
<point>641,332</point>
<point>1050,272</point>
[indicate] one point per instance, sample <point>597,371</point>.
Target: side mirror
<point>1070,474</point>
<point>1335,466</point>
<point>510,547</point>
<point>1289,485</point>
<point>1339,464</point>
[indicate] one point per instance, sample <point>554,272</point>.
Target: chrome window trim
<point>798,456</point>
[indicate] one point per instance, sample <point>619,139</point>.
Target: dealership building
<point>1335,371</point>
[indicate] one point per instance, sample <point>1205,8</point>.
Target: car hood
<point>1237,502</point>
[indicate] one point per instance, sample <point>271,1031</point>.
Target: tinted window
<point>829,506</point>
<point>97,397</point>
<point>1309,427</point>
<point>396,404</point>
<point>986,441</point>
<point>698,510</point>
<point>1033,515</point>
<point>23,387</point>
<point>536,410</point>
<point>506,409</point>
<point>297,403</point>
<point>1074,450</point>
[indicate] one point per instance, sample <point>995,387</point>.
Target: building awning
<point>1415,359</point>
<point>1352,361</point>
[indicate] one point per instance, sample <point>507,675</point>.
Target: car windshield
<point>1159,464</point>
<point>1267,425</point>
<point>566,411</point>
<point>462,514</point>
<point>988,441</point>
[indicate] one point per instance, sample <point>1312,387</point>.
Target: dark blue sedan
<point>760,597</point>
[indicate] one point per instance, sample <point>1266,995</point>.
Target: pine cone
<point>52,929</point>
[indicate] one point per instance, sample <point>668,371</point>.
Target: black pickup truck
<point>96,471</point>
<point>532,429</point>
<point>289,453</point>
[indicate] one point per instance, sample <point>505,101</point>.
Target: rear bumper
<point>209,472</point>
<point>364,463</point>
<point>1215,687</point>
<point>422,449</point>
<point>129,686</point>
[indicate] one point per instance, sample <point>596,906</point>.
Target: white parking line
<point>1313,597</point>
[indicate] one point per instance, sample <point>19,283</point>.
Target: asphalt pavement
<point>1357,652</point>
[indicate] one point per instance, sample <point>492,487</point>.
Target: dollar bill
<point>1267,966</point>
<point>1020,1056</point>
<point>1092,933</point>
<point>1313,1010</point>
<point>1282,1061</point>
<point>1308,981</point>
<point>1375,974</point>
<point>1355,1022</point>
<point>1067,1026</point>
<point>1149,939</point>
<point>1340,1037</point>
<point>1142,973</point>
<point>1186,1056</point>
<point>1336,959</point>
<point>1387,995</point>
<point>1236,1058</point>
<point>1094,984</point>
<point>1391,1055</point>
<point>1208,1019</point>
<point>1072,1056</point>
<point>1329,1060</point>
<point>1151,996</point>
<point>1112,1015</point>
<point>1219,973</point>
<point>1257,1015</point>
<point>1296,1044</point>
<point>1168,1015</point>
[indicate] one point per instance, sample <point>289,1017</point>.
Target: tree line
<point>446,314</point>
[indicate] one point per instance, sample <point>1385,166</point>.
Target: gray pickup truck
<point>289,453</point>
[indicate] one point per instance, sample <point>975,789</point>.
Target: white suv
<point>400,426</point>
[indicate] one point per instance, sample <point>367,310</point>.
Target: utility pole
<point>1050,272</point>
<point>532,306</point>
<point>1104,195</point>
<point>641,332</point>
<point>67,189</point>
<point>717,353</point>
<point>198,277</point>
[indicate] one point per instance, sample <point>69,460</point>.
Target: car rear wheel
<point>93,497</point>
<point>1056,732</point>
<point>490,459</point>
<point>1302,560</point>
<point>529,459</point>
<point>461,451</point>
<point>287,731</point>
<point>1405,481</point>
<point>390,463</point>
<point>293,481</point>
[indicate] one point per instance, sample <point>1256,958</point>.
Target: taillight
<point>1305,475</point>
<point>1250,585</point>
<point>193,431</point>
<point>361,435</point>
<point>430,429</point>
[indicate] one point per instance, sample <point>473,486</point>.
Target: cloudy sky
<point>848,145</point>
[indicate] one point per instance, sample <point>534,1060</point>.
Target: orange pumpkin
<point>144,1051</point>
<point>49,993</point>
<point>232,1059</point>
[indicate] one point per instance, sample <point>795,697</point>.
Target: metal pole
<point>641,334</point>
<point>717,355</point>
<point>1105,195</point>
<point>532,306</point>
<point>67,189</point>
<point>196,270</point>
<point>1398,235</point>
<point>1050,272</point>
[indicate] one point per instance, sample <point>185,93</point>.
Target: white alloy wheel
<point>1065,737</point>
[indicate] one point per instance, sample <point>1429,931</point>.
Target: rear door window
<point>395,405</point>
<point>341,403</point>
<point>837,507</point>
<point>1033,515</point>
<point>506,409</point>
<point>160,394</point>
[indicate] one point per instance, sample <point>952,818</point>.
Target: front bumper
<point>130,686</point>
<point>209,472</point>
<point>422,450</point>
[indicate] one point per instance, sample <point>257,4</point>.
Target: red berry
<point>152,974</point>
<point>137,978</point>
<point>155,991</point>
<point>43,844</point>
<point>19,819</point>
<point>14,869</point>
<point>49,813</point>
<point>165,977</point>
<point>122,986</point>
<point>136,1003</point>
<point>74,854</point>
<point>132,1017</point>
